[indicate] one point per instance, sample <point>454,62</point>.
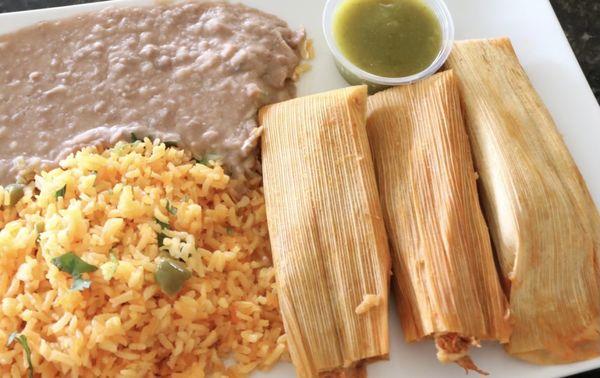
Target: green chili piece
<point>171,275</point>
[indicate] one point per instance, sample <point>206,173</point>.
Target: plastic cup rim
<point>446,23</point>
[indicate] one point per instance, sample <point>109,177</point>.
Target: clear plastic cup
<point>355,75</point>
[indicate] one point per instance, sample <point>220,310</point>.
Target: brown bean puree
<point>192,73</point>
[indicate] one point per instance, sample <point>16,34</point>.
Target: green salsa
<point>390,38</point>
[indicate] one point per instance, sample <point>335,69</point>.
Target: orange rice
<point>225,320</point>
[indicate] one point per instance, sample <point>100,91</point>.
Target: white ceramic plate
<point>553,69</point>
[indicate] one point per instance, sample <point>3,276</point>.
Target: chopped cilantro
<point>163,225</point>
<point>75,266</point>
<point>80,284</point>
<point>171,209</point>
<point>11,338</point>
<point>206,159</point>
<point>22,339</point>
<point>72,264</point>
<point>160,238</point>
<point>61,192</point>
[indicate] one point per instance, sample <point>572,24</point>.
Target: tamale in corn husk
<point>543,221</point>
<point>446,282</point>
<point>358,371</point>
<point>327,233</point>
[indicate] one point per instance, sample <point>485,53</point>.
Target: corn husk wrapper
<point>543,222</point>
<point>359,371</point>
<point>444,273</point>
<point>327,233</point>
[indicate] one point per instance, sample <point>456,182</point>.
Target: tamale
<point>326,229</point>
<point>544,225</point>
<point>446,283</point>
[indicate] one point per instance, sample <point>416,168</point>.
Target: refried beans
<point>192,73</point>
